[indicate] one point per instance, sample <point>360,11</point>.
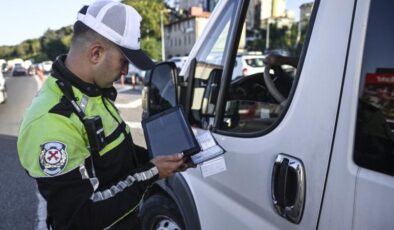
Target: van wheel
<point>159,212</point>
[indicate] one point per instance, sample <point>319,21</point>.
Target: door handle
<point>288,187</point>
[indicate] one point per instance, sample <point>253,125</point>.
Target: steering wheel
<point>276,60</point>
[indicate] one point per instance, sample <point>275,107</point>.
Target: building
<point>207,5</point>
<point>305,12</point>
<point>180,36</point>
<point>274,11</point>
<point>253,14</point>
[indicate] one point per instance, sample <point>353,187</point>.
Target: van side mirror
<point>161,93</point>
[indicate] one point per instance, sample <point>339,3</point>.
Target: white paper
<point>213,166</point>
<point>209,148</point>
<point>205,139</point>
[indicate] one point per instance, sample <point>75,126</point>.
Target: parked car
<point>18,70</point>
<point>31,70</point>
<point>3,89</point>
<point>248,64</point>
<point>134,75</point>
<point>312,150</point>
<point>4,68</point>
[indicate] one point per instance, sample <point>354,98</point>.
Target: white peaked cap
<point>120,24</point>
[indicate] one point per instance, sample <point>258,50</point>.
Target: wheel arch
<point>177,189</point>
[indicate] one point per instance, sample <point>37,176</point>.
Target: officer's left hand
<point>168,165</point>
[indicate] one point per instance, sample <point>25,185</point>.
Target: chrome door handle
<point>288,187</point>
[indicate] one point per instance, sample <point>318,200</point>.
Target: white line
<point>134,125</point>
<point>133,104</point>
<point>41,213</point>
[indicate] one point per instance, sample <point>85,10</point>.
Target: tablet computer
<point>169,132</point>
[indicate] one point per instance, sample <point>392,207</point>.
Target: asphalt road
<point>18,196</point>
<point>18,200</point>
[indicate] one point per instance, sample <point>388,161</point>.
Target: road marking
<point>41,213</point>
<point>133,104</point>
<point>134,125</point>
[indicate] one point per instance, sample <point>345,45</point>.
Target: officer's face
<point>113,65</point>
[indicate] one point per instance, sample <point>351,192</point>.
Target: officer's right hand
<point>168,165</point>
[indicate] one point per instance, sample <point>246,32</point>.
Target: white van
<point>311,150</point>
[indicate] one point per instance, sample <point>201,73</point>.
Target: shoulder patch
<point>53,158</point>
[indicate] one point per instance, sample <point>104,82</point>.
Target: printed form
<point>210,157</point>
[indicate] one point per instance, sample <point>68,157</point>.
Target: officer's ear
<point>96,52</point>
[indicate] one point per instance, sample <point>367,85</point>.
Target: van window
<point>209,67</point>
<point>374,145</point>
<point>251,106</point>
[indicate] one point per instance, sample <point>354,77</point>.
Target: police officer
<point>72,139</point>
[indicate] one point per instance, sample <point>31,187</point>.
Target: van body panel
<point>318,128</point>
<point>242,194</point>
<point>362,196</point>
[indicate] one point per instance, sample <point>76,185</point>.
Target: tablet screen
<point>168,133</point>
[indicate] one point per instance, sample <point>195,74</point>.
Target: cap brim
<point>138,58</point>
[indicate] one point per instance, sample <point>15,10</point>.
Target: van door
<point>363,153</point>
<point>278,151</point>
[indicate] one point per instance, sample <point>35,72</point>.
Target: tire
<point>159,212</point>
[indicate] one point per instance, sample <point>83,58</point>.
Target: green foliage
<point>152,47</point>
<point>47,47</point>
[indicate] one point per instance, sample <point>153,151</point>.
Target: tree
<point>55,43</point>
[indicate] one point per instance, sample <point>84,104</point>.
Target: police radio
<point>95,131</point>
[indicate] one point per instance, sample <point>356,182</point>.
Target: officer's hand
<point>185,166</point>
<point>168,165</point>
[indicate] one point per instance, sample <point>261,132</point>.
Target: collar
<point>61,72</point>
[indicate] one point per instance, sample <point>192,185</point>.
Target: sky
<point>26,19</point>
<point>295,6</point>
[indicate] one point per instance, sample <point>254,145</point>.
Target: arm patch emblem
<point>53,158</point>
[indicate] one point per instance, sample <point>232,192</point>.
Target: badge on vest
<point>53,158</point>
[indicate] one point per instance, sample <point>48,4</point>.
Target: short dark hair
<point>80,29</point>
